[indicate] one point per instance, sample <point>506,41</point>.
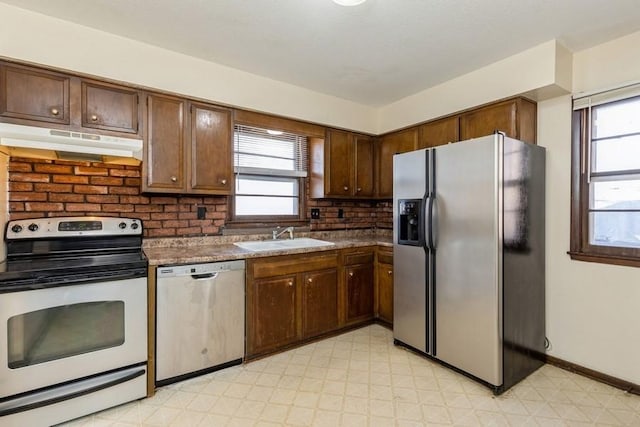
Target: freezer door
<point>468,257</point>
<point>409,262</point>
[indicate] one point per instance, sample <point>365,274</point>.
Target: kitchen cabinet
<point>358,285</point>
<point>319,302</point>
<point>187,153</point>
<point>290,299</point>
<point>515,117</point>
<point>342,165</point>
<point>110,107</point>
<point>383,292</point>
<point>37,97</point>
<point>439,132</point>
<point>29,94</point>
<point>164,168</point>
<point>388,145</point>
<point>274,314</point>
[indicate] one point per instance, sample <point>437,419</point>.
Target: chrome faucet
<point>275,234</point>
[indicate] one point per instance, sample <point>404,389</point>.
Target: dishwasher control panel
<point>199,269</point>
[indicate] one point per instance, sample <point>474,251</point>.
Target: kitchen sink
<point>274,245</point>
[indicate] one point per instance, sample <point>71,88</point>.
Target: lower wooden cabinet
<point>294,298</point>
<point>358,284</point>
<point>274,312</point>
<point>383,293</point>
<point>319,302</point>
<point>290,299</point>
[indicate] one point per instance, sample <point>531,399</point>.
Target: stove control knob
<point>122,225</point>
<point>134,225</point>
<point>16,228</point>
<point>33,227</point>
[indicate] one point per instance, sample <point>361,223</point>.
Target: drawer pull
<point>55,111</point>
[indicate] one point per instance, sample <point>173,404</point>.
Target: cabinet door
<point>439,132</point>
<point>109,107</point>
<point>338,163</point>
<point>319,302</point>
<point>165,144</point>
<point>364,150</point>
<point>384,292</point>
<point>211,169</point>
<point>273,321</point>
<point>359,280</point>
<point>485,121</point>
<point>390,144</point>
<point>30,94</point>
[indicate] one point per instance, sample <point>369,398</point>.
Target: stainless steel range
<point>73,318</point>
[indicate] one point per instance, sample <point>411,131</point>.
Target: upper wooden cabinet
<point>388,145</point>
<point>187,153</point>
<point>29,94</point>
<point>439,132</point>
<point>515,117</point>
<point>110,107</point>
<point>36,97</point>
<point>211,154</point>
<point>342,165</point>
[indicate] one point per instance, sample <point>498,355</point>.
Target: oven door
<point>49,336</point>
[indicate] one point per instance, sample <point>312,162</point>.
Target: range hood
<point>69,145</point>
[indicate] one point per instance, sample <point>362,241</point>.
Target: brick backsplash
<point>45,188</point>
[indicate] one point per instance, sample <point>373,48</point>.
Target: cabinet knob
<point>174,179</point>
<point>359,189</point>
<point>345,188</point>
<point>310,280</point>
<point>94,118</point>
<point>390,272</point>
<point>290,283</point>
<point>351,274</point>
<point>55,111</point>
<point>223,181</point>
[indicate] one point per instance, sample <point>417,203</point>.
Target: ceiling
<point>373,54</point>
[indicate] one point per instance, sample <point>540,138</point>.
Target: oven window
<point>64,331</point>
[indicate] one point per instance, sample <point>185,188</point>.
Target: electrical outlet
<point>340,213</point>
<point>202,212</point>
<point>315,213</point>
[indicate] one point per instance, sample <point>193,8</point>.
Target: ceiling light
<point>349,2</point>
<point>274,132</point>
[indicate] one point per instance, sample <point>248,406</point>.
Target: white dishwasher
<point>199,319</point>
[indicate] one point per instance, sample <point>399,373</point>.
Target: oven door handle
<point>70,391</point>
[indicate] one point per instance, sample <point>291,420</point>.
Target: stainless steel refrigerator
<point>469,256</point>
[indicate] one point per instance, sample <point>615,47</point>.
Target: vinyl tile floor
<point>361,379</point>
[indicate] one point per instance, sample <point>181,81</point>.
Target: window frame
<point>580,246</point>
<point>257,221</point>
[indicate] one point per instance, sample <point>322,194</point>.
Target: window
<point>605,211</point>
<point>270,168</point>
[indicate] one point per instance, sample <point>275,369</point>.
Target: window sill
<point>604,259</point>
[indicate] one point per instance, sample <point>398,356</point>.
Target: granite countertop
<point>190,250</point>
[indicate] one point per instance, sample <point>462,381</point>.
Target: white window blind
<point>259,152</point>
<point>269,166</point>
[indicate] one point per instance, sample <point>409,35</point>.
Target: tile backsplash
<point>41,188</point>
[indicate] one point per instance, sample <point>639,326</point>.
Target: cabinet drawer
<point>282,265</point>
<point>385,257</point>
<point>358,258</point>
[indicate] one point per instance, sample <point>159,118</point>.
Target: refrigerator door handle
<point>432,220</point>
<point>425,221</point>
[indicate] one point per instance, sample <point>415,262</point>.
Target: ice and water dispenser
<point>410,222</point>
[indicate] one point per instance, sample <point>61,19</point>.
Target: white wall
<point>593,310</point>
<point>41,39</point>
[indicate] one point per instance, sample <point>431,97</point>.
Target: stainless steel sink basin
<point>274,245</point>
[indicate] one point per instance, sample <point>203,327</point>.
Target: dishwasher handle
<point>205,276</point>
